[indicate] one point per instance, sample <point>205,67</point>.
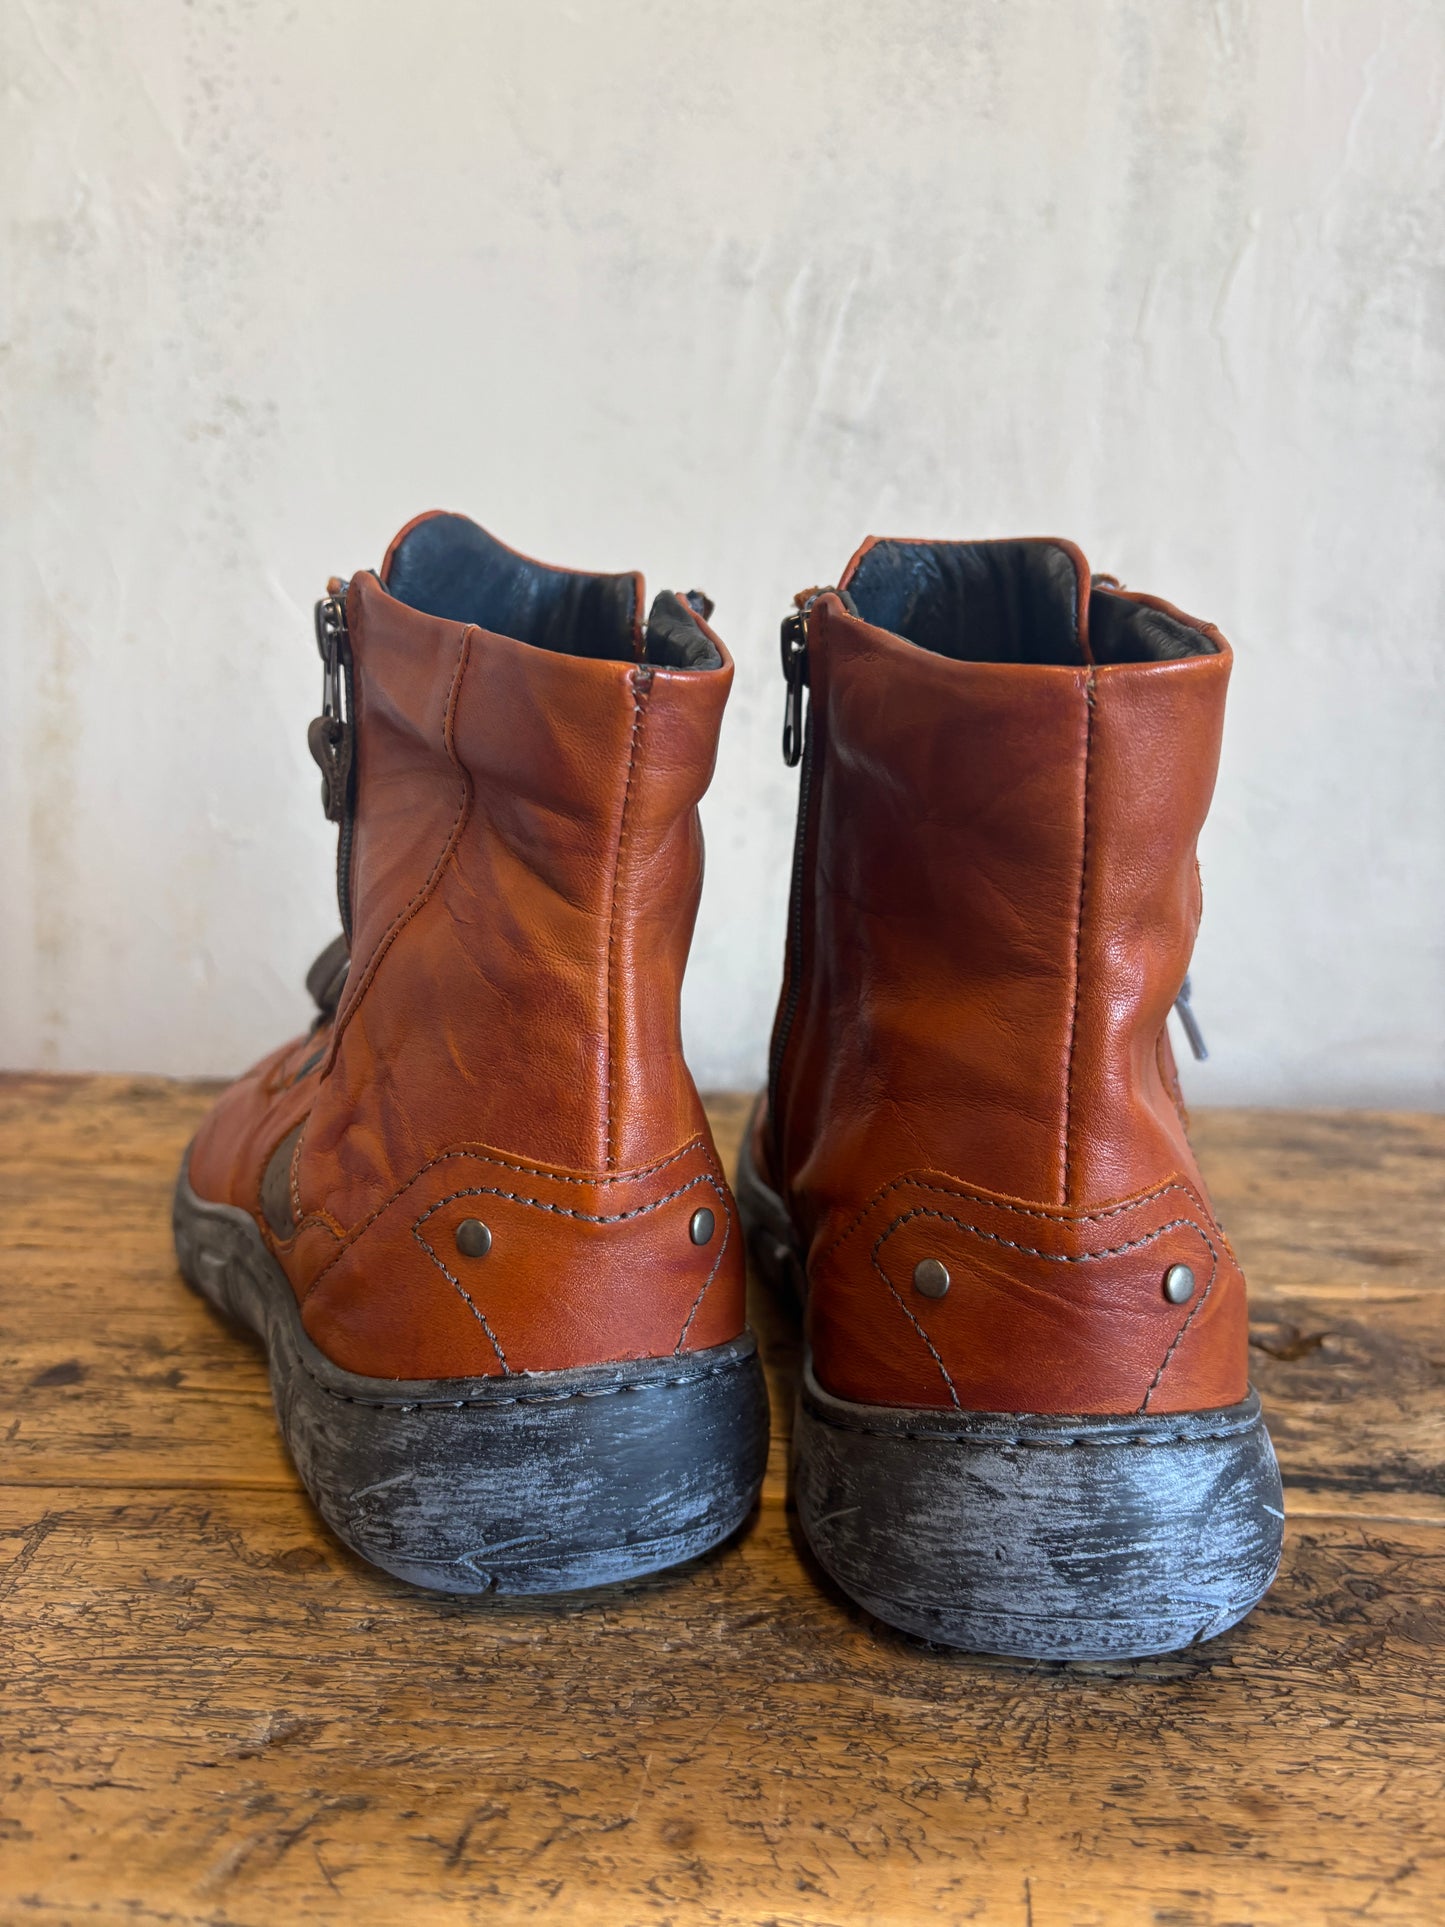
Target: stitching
<point>1078,934</point>
<point>1052,1257</point>
<point>465,1295</point>
<point>1063,1218</point>
<point>463,1404</point>
<point>529,1398</point>
<point>410,909</point>
<point>565,1211</point>
<point>716,1267</point>
<point>348,1006</point>
<point>908,1314</point>
<point>1069,1440</point>
<point>529,1170</point>
<point>640,682</point>
<point>1194,1312</point>
<point>1058,1257</point>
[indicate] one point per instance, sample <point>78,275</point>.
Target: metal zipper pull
<point>330,734</point>
<point>1184,1009</point>
<point>794,641</point>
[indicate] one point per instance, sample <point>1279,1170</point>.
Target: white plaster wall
<point>714,290</point>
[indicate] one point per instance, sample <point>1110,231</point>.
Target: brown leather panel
<point>579,1272</point>
<point>1045,1312</point>
<point>1154,750</point>
<point>239,1135</point>
<point>943,918</point>
<point>527,923</point>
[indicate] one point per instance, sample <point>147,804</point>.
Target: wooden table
<point>209,1711</point>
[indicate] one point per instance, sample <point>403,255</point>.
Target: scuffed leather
<point>1000,899</point>
<point>526,869</point>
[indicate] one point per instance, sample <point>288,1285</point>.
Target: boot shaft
<point>525,867</point>
<point>974,1133</point>
<point>489,1156</point>
<point>997,893</point>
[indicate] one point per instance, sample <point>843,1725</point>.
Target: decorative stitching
<point>908,1314</point>
<point>404,916</point>
<point>202,1213</point>
<point>566,1211</point>
<point>716,1267</point>
<point>1055,1257</point>
<point>1070,1440</point>
<point>561,1211</point>
<point>530,1398</point>
<point>483,1157</point>
<point>1194,1312</point>
<point>1078,933</point>
<point>465,1295</point>
<point>640,682</point>
<point>1032,1251</point>
<point>410,909</point>
<point>959,1190</point>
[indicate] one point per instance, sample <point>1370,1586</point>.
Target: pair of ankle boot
<point>477,1215</point>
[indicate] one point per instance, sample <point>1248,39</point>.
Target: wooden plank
<point>209,1711</point>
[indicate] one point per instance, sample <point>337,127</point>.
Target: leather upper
<point>995,908</point>
<point>525,871</point>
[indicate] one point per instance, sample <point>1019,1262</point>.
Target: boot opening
<point>1015,602</point>
<point>448,566</point>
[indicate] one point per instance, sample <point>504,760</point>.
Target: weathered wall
<point>713,290</point>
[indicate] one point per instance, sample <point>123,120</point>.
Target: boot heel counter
<point>940,1295</point>
<point>482,1265</point>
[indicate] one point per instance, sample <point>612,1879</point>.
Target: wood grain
<point>210,1712</point>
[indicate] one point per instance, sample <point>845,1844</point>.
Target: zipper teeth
<point>343,875</point>
<point>348,817</point>
<point>795,922</point>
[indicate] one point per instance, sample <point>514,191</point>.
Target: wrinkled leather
<point>999,902</point>
<point>526,869</point>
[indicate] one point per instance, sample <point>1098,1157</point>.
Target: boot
<point>1025,1424</point>
<point>476,1214</point>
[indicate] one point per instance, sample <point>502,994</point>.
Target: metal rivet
<point>701,1227</point>
<point>473,1238</point>
<point>930,1277</point>
<point>1179,1284</point>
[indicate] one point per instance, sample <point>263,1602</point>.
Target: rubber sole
<point>534,1483</point>
<point>1033,1536</point>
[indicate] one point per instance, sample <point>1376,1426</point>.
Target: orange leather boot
<point>475,1213</point>
<point>1025,1424</point>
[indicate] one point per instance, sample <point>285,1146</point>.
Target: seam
<point>716,1268</point>
<point>1062,1218</point>
<point>466,1297</point>
<point>1078,936</point>
<point>566,1211</point>
<point>1067,1441</point>
<point>529,1170</point>
<point>527,1398</point>
<point>641,682</point>
<point>908,1314</point>
<point>1056,1257</point>
<point>1051,1257</point>
<point>1194,1312</point>
<point>347,1009</point>
<point>420,896</point>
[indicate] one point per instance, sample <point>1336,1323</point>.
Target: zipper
<point>797,748</point>
<point>332,736</point>
<point>1184,1011</point>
